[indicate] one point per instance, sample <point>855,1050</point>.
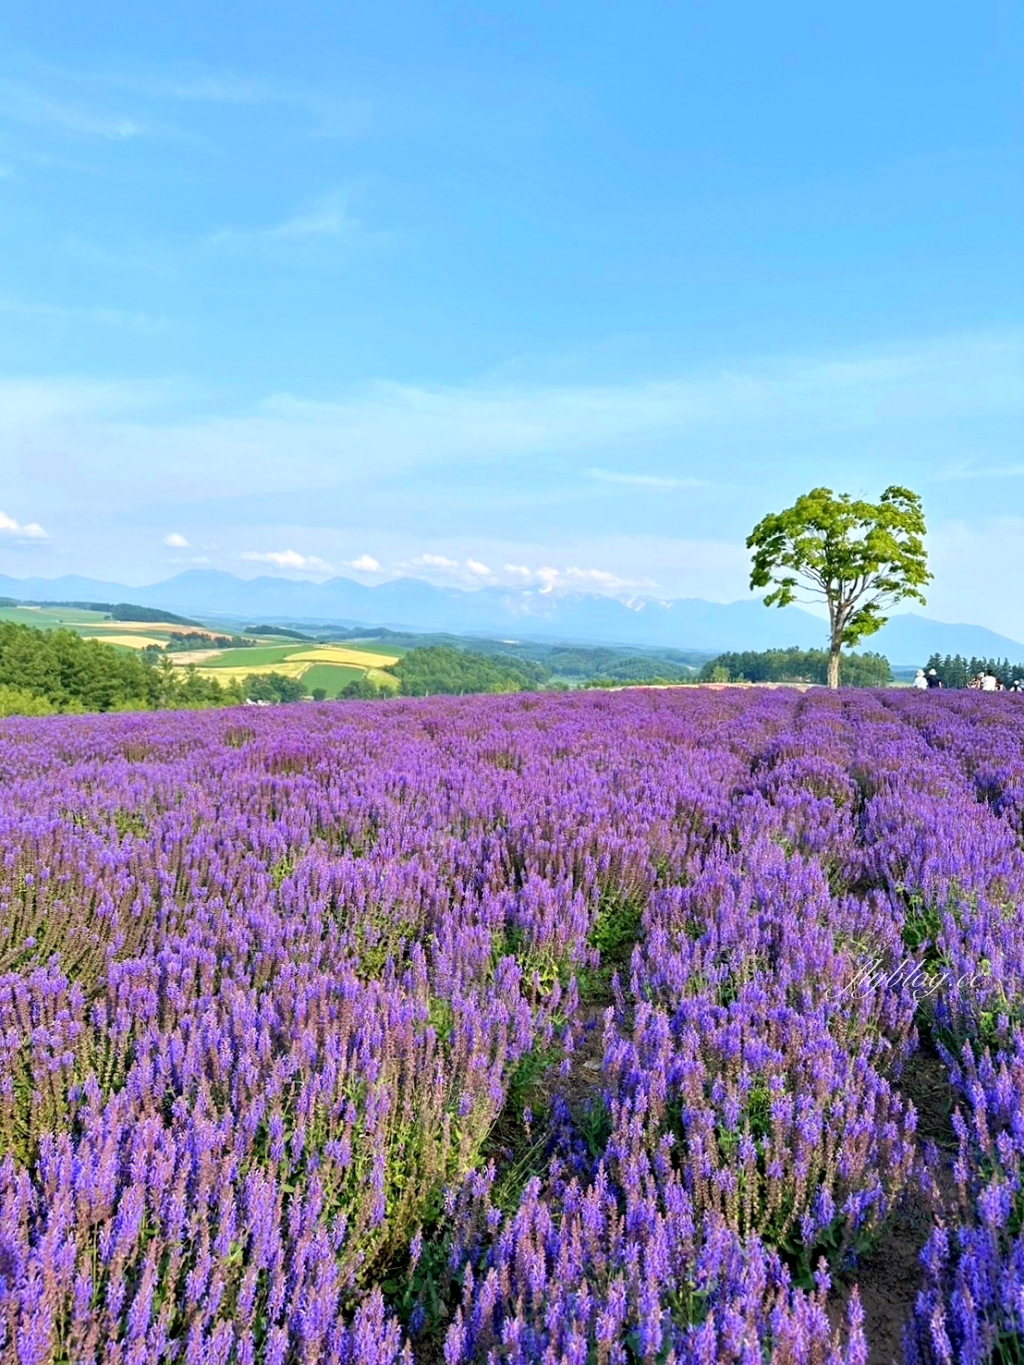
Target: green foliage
<point>438,668</point>
<point>272,687</point>
<point>956,671</point>
<point>363,689</point>
<point>126,611</point>
<point>118,611</point>
<point>19,701</point>
<point>613,666</point>
<point>857,557</point>
<point>43,671</point>
<point>183,641</point>
<point>279,630</point>
<point>615,930</point>
<point>796,665</point>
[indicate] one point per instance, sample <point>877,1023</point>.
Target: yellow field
<point>128,641</point>
<point>338,654</point>
<point>288,668</point>
<point>147,628</point>
<point>382,679</point>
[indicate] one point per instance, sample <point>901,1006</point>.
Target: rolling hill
<point>407,603</point>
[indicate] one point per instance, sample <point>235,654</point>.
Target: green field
<point>331,677</point>
<point>50,618</point>
<point>261,656</point>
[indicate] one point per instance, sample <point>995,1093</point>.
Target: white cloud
<point>646,480</point>
<point>438,561</point>
<point>14,530</point>
<point>175,541</point>
<point>289,559</point>
<point>363,564</point>
<point>480,570</point>
<point>595,576</point>
<point>574,576</point>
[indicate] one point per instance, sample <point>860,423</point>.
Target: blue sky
<point>524,293</point>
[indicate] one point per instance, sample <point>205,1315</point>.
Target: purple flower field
<point>510,1029</point>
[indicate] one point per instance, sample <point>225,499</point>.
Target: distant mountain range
<point>410,603</point>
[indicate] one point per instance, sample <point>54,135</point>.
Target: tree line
<point>797,665</point>
<point>436,669</point>
<point>954,670</point>
<point>43,672</point>
<point>47,672</point>
<point>57,671</point>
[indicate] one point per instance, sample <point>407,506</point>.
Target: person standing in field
<point>933,679</point>
<point>920,681</point>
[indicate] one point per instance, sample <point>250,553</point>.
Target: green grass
<point>50,618</point>
<point>331,677</point>
<point>374,646</point>
<point>260,656</point>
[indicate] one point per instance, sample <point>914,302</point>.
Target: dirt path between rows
<point>888,1280</point>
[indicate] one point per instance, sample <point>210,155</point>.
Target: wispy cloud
<point>12,530</point>
<point>378,431</point>
<point>175,541</point>
<point>289,559</point>
<point>972,471</point>
<point>661,481</point>
<point>477,569</point>
<point>27,105</point>
<point>328,216</point>
<point>128,319</point>
<point>333,115</point>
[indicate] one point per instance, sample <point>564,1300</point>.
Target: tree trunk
<point>833,663</point>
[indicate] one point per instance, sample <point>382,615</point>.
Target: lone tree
<point>859,558</point>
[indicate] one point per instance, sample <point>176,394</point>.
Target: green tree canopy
<point>56,670</point>
<point>858,558</point>
<point>436,668</point>
<point>796,665</point>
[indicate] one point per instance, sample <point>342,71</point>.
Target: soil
<point>584,1078</point>
<point>889,1278</point>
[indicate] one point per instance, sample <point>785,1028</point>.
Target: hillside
<point>686,623</point>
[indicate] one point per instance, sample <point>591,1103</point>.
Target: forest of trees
<point>611,667</point>
<point>797,665</point>
<point>956,671</point>
<point>436,668</point>
<point>183,642</point>
<point>48,671</point>
<point>282,631</point>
